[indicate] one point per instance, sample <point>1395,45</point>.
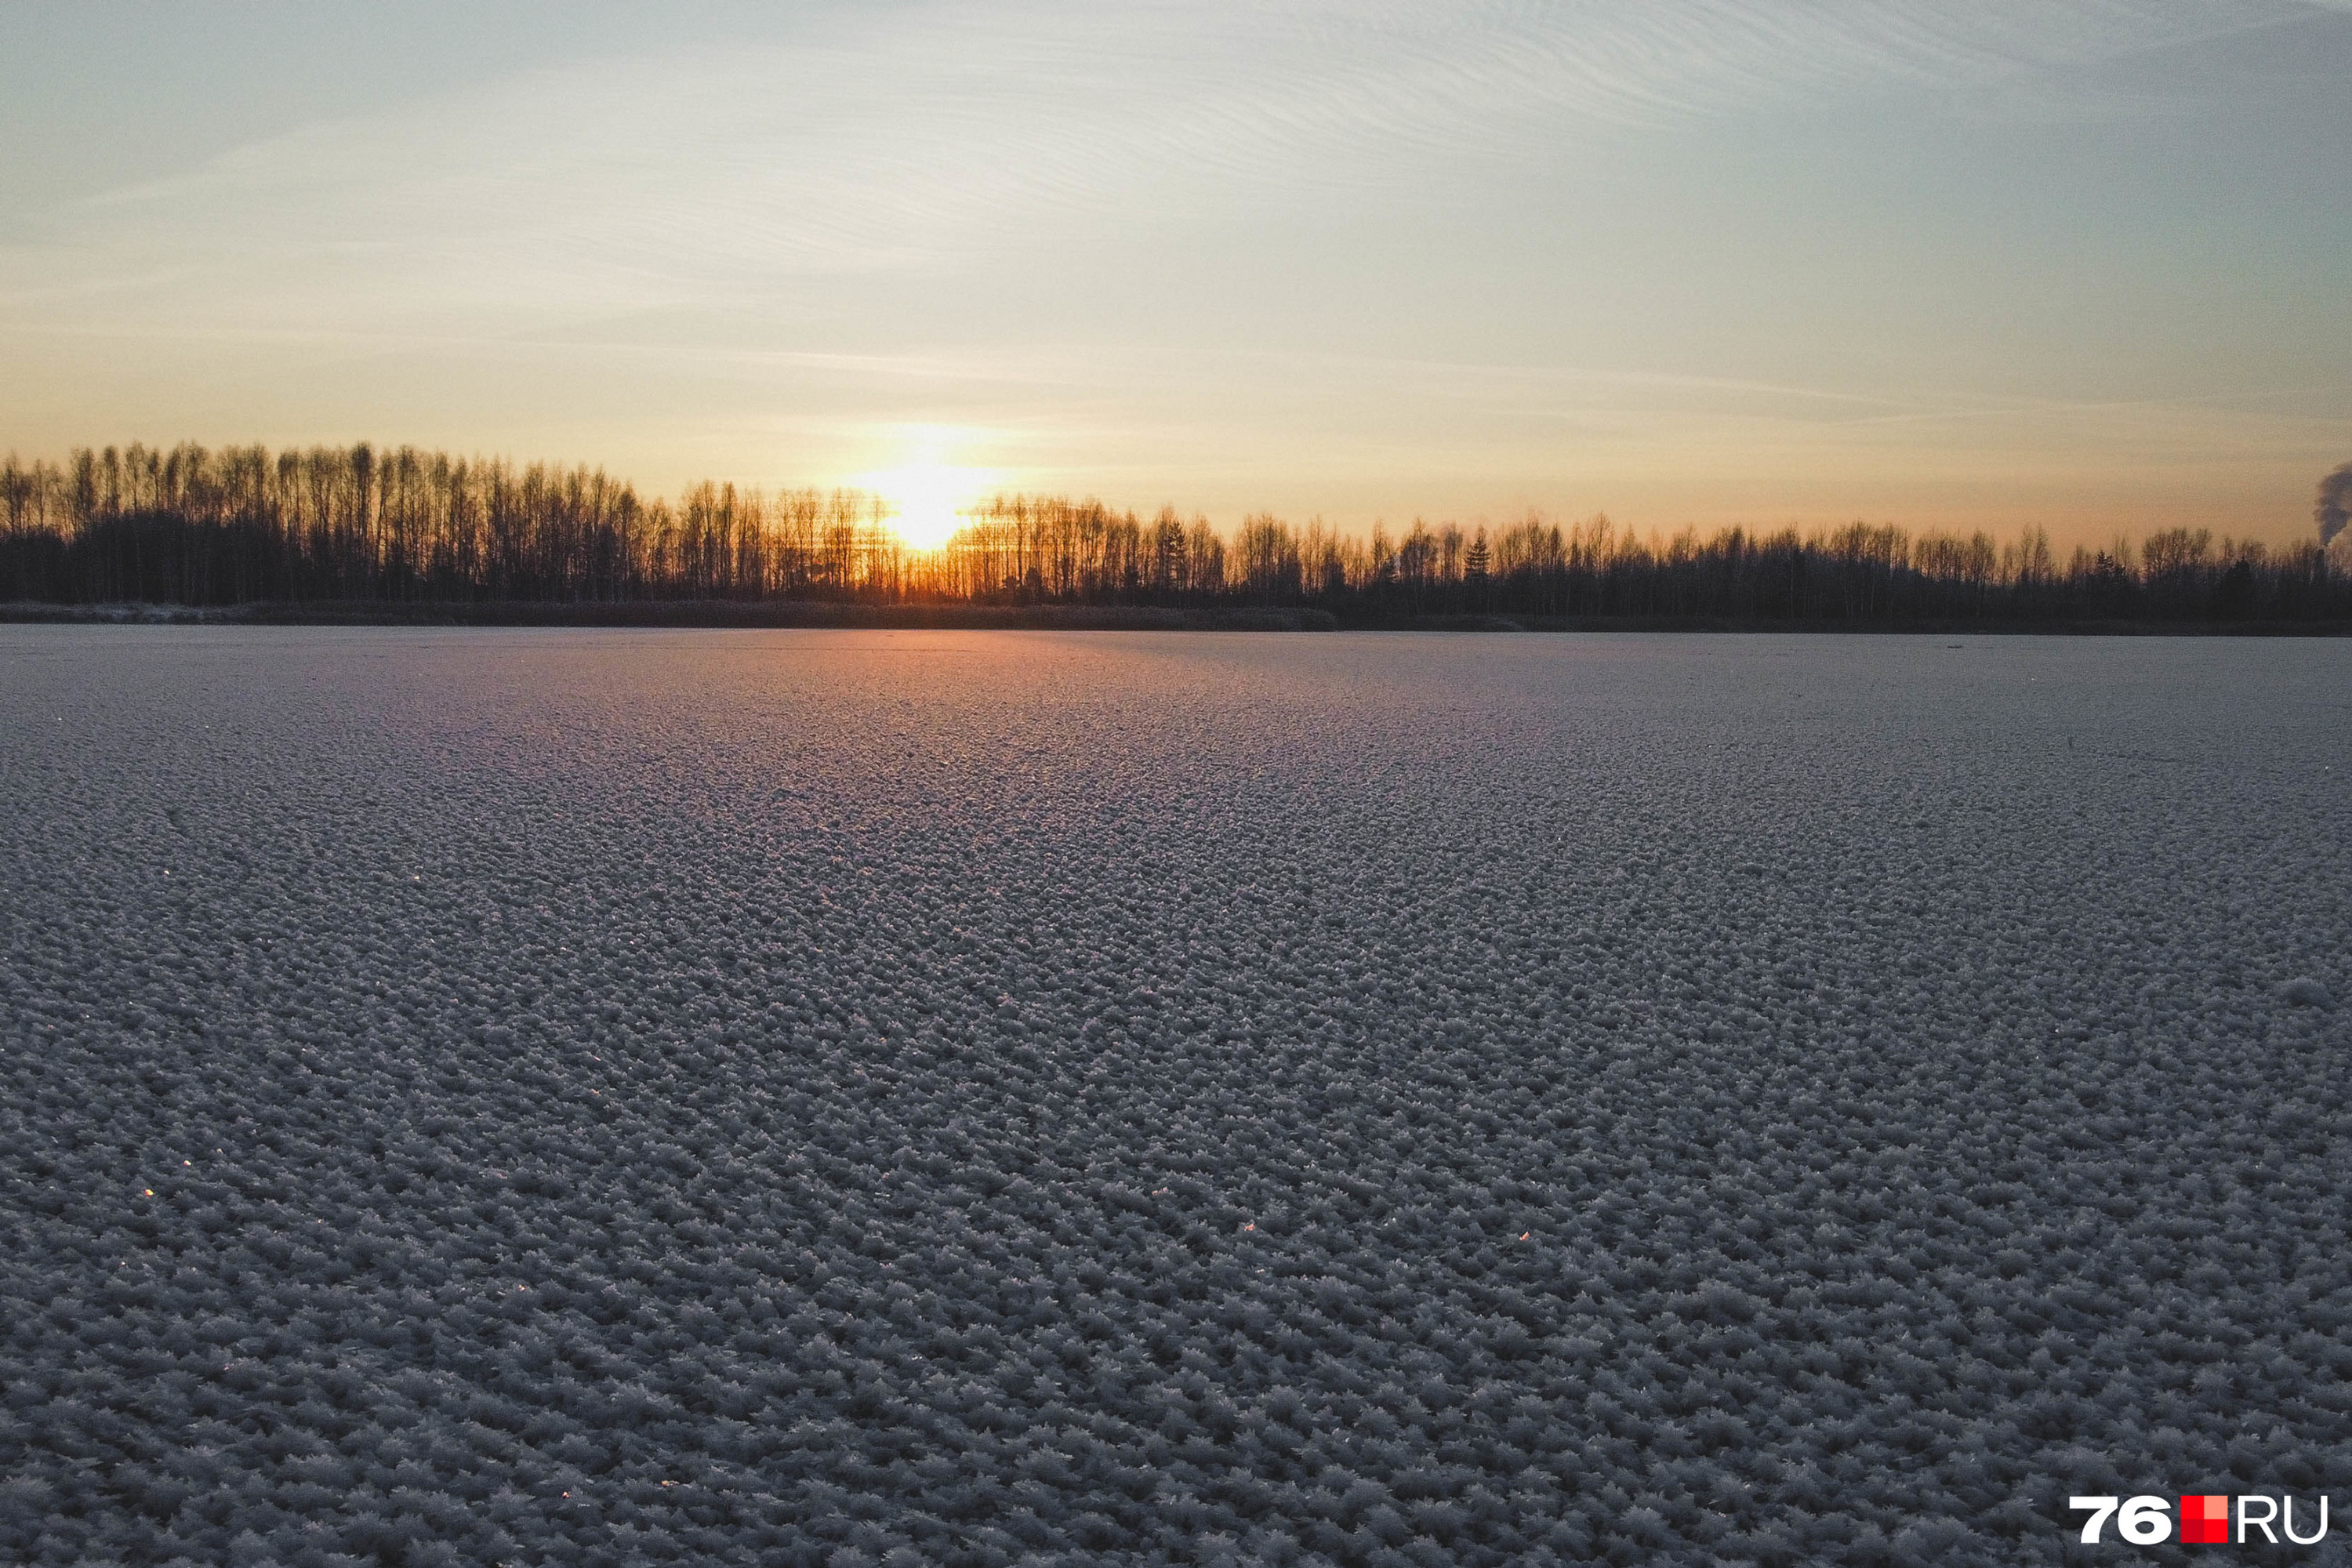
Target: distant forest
<point>242,525</point>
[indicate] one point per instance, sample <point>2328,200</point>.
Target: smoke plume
<point>2334,507</point>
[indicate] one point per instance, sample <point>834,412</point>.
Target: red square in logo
<point>2205,1518</point>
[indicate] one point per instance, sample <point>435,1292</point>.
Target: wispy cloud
<point>908,141</point>
<point>1091,238</point>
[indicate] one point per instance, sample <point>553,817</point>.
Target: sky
<point>1691,262</point>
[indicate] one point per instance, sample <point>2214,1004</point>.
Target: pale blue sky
<point>1690,263</point>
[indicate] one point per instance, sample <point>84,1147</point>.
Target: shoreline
<point>782,615</point>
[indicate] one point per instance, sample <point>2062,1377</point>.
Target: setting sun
<point>927,500</point>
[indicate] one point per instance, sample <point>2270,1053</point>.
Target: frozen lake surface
<point>898,1097</point>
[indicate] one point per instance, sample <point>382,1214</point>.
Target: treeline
<point>242,525</point>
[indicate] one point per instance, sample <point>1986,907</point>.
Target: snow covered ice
<point>900,1098</point>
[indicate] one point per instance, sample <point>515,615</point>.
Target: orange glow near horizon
<point>928,499</point>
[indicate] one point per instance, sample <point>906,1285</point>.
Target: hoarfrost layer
<point>814,1098</point>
